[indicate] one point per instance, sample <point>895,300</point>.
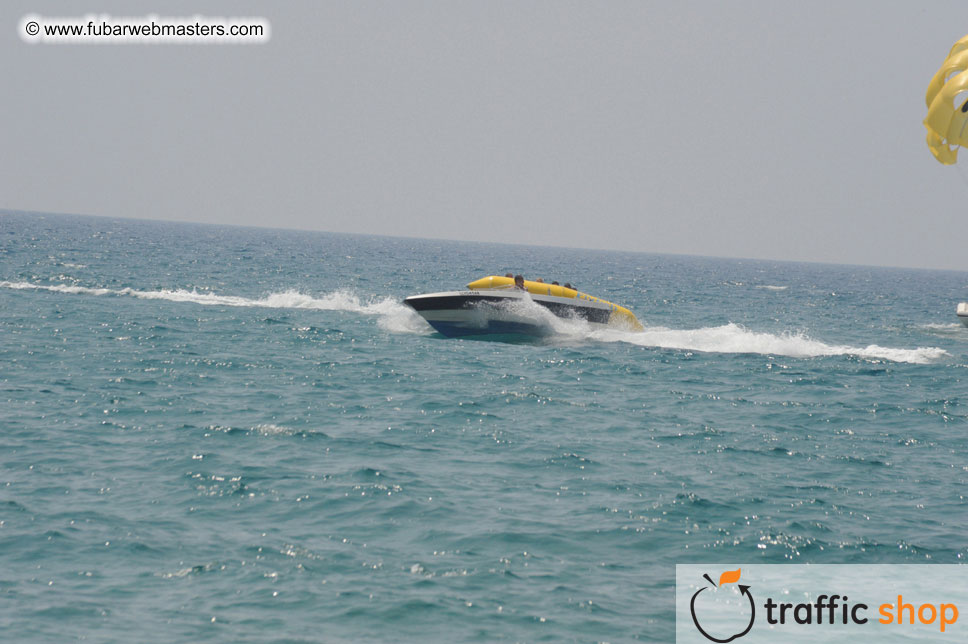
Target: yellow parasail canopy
<point>947,100</point>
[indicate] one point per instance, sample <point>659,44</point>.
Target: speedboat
<point>493,305</point>
<point>963,313</point>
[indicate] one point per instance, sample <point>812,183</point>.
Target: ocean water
<point>242,435</point>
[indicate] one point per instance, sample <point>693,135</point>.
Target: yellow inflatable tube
<point>620,315</point>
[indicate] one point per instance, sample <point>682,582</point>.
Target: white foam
<point>268,429</point>
<point>396,317</point>
<point>733,338</point>
<point>526,310</point>
<point>729,338</point>
<point>771,287</point>
<point>392,315</point>
<point>58,288</point>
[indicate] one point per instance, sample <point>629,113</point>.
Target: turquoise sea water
<point>241,435</point>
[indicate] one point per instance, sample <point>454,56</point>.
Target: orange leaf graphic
<point>729,577</point>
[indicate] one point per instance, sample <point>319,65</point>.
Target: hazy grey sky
<point>787,130</point>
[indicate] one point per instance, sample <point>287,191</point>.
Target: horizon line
<point>17,211</point>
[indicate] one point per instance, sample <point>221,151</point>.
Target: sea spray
<point>733,338</point>
<point>393,316</point>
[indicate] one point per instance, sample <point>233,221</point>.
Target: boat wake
<point>392,315</point>
<point>733,338</point>
<point>728,338</point>
<point>395,317</point>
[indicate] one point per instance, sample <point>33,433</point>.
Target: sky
<point>757,129</point>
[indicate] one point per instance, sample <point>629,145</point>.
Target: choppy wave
<point>393,315</point>
<point>771,287</point>
<point>952,330</point>
<point>938,326</point>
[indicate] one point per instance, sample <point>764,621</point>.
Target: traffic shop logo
<point>728,577</point>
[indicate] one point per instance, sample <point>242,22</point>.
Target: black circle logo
<point>743,589</point>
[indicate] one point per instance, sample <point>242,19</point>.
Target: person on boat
<point>519,282</point>
<point>568,285</point>
<point>539,281</point>
<point>511,275</point>
<point>555,284</point>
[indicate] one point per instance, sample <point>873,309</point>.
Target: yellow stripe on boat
<point>620,315</point>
